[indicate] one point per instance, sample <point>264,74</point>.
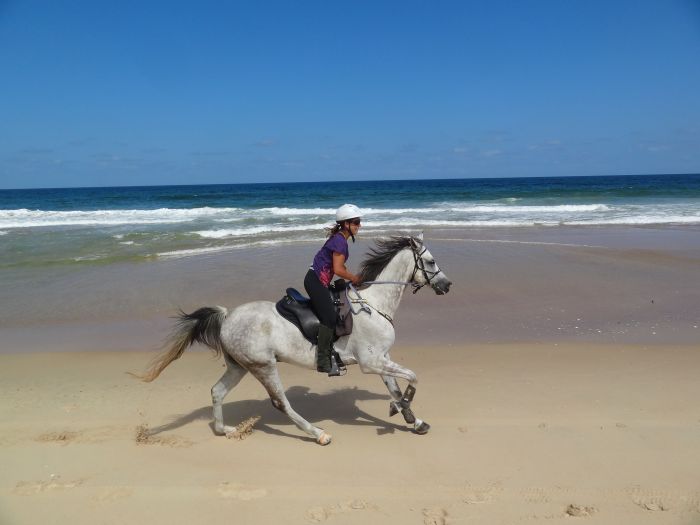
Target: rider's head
<point>348,218</point>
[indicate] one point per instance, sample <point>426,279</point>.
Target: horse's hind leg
<point>234,373</point>
<point>269,377</point>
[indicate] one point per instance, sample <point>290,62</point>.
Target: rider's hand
<point>356,280</point>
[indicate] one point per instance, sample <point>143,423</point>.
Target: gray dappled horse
<point>254,337</point>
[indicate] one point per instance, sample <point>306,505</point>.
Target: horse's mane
<point>379,256</point>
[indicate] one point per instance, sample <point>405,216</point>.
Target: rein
<point>364,305</point>
<point>418,264</point>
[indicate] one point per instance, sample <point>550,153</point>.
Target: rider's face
<point>354,226</point>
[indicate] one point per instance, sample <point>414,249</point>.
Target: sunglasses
<point>355,222</point>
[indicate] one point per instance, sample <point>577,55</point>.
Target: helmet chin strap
<point>349,230</point>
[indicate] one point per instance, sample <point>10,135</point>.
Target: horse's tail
<point>202,326</point>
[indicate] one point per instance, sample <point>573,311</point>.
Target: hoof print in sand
<point>316,514</point>
<point>434,516</point>
<point>655,500</point>
<point>145,437</point>
<point>244,430</point>
<point>579,511</point>
<point>654,506</point>
<point>58,437</point>
<point>240,492</point>
<point>29,488</point>
<point>478,495</point>
<point>536,495</point>
<point>319,514</point>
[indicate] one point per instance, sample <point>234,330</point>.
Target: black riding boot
<point>324,362</point>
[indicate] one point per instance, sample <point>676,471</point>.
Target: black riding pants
<point>320,299</point>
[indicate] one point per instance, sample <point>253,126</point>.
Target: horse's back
<point>257,314</point>
<point>255,333</point>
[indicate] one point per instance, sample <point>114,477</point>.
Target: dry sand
<point>537,433</point>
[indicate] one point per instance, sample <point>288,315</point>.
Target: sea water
<point>87,226</point>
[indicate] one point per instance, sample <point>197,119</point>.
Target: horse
<point>254,337</point>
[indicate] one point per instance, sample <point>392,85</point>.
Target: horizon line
<point>515,177</point>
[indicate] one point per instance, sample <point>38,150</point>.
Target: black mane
<point>381,254</point>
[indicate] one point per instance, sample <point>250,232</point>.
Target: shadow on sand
<point>339,406</point>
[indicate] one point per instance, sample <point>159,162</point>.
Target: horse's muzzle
<point>442,287</point>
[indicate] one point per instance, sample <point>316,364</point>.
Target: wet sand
<point>603,285</point>
<point>559,377</point>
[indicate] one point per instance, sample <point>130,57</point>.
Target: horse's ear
<point>416,240</point>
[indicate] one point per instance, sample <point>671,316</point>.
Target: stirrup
<point>338,368</point>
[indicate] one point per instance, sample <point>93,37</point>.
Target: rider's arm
<point>341,271</point>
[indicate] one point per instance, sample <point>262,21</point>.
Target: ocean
<point>88,226</point>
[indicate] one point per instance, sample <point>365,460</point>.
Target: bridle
<point>419,264</point>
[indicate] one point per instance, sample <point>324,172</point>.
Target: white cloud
<point>491,152</point>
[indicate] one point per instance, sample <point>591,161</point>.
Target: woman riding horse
<point>329,261</point>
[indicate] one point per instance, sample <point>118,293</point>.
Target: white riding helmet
<point>347,211</point>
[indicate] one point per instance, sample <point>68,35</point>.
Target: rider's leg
<point>325,310</point>
<point>324,349</point>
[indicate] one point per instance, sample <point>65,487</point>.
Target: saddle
<point>296,308</point>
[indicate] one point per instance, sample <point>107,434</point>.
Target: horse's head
<point>426,270</point>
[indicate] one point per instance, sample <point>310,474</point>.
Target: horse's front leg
<point>390,371</point>
<point>401,402</point>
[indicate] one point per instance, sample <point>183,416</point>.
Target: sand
<point>605,434</point>
<point>559,378</point>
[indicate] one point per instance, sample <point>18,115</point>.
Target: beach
<point>558,376</point>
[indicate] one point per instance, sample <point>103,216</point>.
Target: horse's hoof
<point>421,427</point>
<point>324,439</point>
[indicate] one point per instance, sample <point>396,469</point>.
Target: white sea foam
<point>286,212</point>
<point>257,230</point>
<point>640,220</point>
<point>24,218</point>
<point>178,254</point>
<point>282,220</point>
<point>561,208</point>
<point>175,254</point>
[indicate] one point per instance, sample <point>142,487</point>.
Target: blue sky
<point>126,93</point>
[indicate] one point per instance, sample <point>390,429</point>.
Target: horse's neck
<point>386,297</point>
